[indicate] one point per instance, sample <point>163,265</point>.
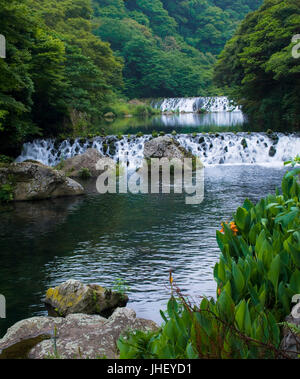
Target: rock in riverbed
<point>164,147</point>
<point>167,147</point>
<point>73,296</point>
<point>75,166</point>
<point>76,336</point>
<point>35,181</point>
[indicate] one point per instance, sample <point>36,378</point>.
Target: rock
<point>164,147</point>
<point>74,167</point>
<point>167,147</point>
<point>35,181</point>
<point>73,296</point>
<point>244,143</point>
<point>109,115</point>
<point>291,341</point>
<point>272,151</point>
<point>136,102</point>
<point>76,336</point>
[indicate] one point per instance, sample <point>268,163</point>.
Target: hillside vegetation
<point>258,67</point>
<point>57,72</point>
<point>169,47</point>
<point>71,61</point>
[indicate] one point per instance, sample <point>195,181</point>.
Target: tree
<point>258,67</point>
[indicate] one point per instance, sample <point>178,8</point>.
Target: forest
<point>258,67</point>
<point>169,47</point>
<point>69,60</point>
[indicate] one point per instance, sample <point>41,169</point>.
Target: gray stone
<point>73,166</point>
<point>35,181</point>
<point>167,147</point>
<point>291,340</point>
<point>76,336</point>
<point>109,115</point>
<point>73,296</point>
<point>272,151</point>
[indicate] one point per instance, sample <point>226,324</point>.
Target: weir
<point>196,104</point>
<point>212,149</point>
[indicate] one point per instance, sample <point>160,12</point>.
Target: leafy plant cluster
<point>257,275</point>
<point>6,193</point>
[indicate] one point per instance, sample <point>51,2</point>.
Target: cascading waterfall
<point>196,104</point>
<point>212,149</point>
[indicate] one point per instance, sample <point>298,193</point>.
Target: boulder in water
<point>75,166</point>
<point>35,181</point>
<point>167,147</point>
<point>76,336</point>
<point>272,151</point>
<point>73,296</point>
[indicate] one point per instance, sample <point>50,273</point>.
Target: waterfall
<point>212,149</point>
<point>196,104</point>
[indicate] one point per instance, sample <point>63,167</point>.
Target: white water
<point>196,104</point>
<point>223,148</point>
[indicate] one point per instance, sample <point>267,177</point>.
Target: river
<point>101,238</point>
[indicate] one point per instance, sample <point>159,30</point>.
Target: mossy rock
<point>73,296</point>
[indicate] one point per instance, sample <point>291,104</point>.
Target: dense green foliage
<point>257,275</point>
<point>57,72</point>
<point>258,67</point>
<point>169,46</point>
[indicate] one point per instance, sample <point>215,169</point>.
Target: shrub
<point>5,159</point>
<point>84,173</point>
<point>6,193</point>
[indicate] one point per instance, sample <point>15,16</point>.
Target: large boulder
<point>35,181</point>
<point>76,336</point>
<point>78,165</point>
<point>291,339</point>
<point>73,296</point>
<point>167,147</point>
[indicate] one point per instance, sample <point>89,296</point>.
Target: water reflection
<point>181,122</point>
<point>196,120</point>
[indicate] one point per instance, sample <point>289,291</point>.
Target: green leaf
<point>190,352</point>
<point>238,278</point>
<point>273,274</point>
<point>240,314</point>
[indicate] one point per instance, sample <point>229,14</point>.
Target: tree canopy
<point>56,69</point>
<point>169,47</point>
<point>258,67</point>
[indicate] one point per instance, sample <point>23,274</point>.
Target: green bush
<point>122,109</point>
<point>5,159</point>
<point>6,193</point>
<point>257,275</point>
<point>84,173</point>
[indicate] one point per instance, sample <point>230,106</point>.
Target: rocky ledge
<point>80,164</point>
<point>35,181</point>
<point>78,336</point>
<point>168,147</point>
